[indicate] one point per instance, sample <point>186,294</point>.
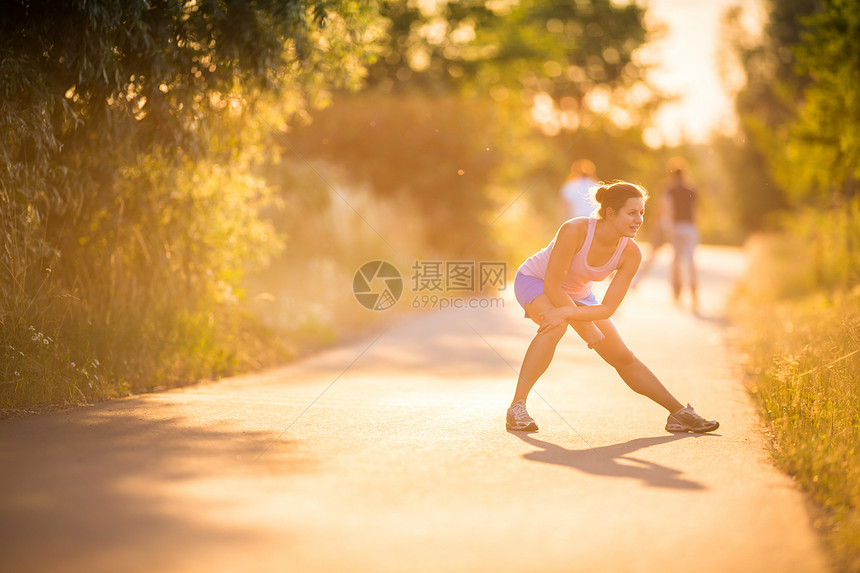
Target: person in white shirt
<point>577,193</point>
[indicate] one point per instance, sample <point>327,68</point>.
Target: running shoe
<point>518,418</point>
<point>687,420</point>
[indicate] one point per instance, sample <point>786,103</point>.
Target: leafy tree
<point>513,49</point>
<point>765,105</point>
<point>130,132</point>
<point>801,117</point>
<point>798,109</point>
<point>445,118</point>
<point>822,158</point>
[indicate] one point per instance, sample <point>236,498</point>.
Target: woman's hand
<point>553,318</point>
<point>590,334</point>
<point>561,315</point>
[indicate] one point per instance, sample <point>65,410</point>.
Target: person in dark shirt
<point>682,198</point>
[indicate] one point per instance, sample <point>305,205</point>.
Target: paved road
<point>390,455</point>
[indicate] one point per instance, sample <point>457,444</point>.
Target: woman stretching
<point>554,288</point>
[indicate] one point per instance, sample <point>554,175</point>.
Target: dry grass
<point>802,340</point>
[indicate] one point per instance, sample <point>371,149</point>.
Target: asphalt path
<point>390,454</point>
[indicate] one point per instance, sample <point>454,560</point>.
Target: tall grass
<point>336,224</point>
<point>178,270</point>
<point>800,314</point>
<point>142,290</point>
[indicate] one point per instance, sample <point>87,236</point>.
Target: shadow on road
<point>106,478</point>
<point>614,460</point>
<point>450,345</point>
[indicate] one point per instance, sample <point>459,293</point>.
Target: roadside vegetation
<point>186,188</point>
<point>132,200</point>
<point>798,156</point>
<point>799,319</point>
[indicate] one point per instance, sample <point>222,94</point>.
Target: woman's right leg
<point>633,371</point>
<point>540,351</point>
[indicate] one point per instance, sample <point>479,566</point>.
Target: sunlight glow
<point>686,65</point>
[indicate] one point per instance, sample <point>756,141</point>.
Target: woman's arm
<point>568,240</point>
<point>627,267</point>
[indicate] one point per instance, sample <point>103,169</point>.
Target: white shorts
<point>685,238</point>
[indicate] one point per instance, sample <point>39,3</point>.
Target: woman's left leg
<point>632,370</point>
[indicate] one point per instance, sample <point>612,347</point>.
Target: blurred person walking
<point>577,197</point>
<point>661,235</point>
<point>682,198</point>
<point>554,288</point>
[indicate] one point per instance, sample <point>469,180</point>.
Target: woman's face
<point>628,219</point>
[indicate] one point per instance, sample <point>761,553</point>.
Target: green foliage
<point>823,155</point>
<point>829,240</point>
<point>799,313</point>
<point>306,292</point>
<point>438,155</point>
<point>799,111</point>
<point>766,104</point>
<point>803,368</point>
<point>800,309</point>
<point>512,49</point>
<point>756,199</point>
<point>129,200</point>
<point>822,247</point>
<point>447,126</point>
<point>809,396</point>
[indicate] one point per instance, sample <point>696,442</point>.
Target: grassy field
<point>799,314</point>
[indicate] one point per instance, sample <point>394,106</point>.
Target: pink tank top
<point>580,275</point>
